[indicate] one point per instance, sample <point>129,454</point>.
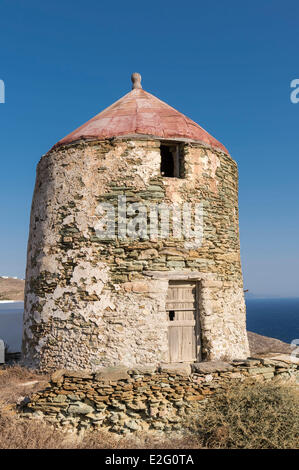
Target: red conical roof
<point>140,113</point>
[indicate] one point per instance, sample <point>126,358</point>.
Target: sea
<point>11,319</point>
<point>277,318</point>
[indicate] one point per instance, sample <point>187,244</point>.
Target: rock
<point>158,425</point>
<point>57,376</point>
<point>73,397</point>
<point>260,370</point>
<point>284,358</point>
<point>194,397</point>
<point>137,286</point>
<point>144,369</point>
<point>108,374</point>
<point>132,414</point>
<point>132,425</point>
<point>118,406</point>
<point>208,378</point>
<point>78,374</point>
<point>59,399</point>
<point>80,408</point>
<point>100,406</point>
<point>176,368</point>
<point>114,418</point>
<point>179,404</point>
<point>252,361</point>
<point>137,406</point>
<point>23,401</point>
<point>211,366</point>
<point>268,375</point>
<point>149,254</point>
<point>153,411</point>
<point>69,421</point>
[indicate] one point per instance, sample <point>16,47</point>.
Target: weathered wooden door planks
<point>183,325</point>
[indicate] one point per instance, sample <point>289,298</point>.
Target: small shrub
<point>258,416</point>
<point>16,433</point>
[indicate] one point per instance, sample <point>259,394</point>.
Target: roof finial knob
<point>136,80</point>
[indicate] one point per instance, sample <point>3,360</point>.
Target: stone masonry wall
<point>142,399</point>
<point>90,302</point>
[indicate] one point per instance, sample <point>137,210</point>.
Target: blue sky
<point>227,65</point>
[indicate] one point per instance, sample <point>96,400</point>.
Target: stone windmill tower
<point>133,253</point>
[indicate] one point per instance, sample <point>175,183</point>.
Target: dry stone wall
<point>90,302</point>
<point>145,399</point>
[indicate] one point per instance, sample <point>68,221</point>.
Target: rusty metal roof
<point>140,113</point>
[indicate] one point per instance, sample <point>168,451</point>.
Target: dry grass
<point>100,440</point>
<point>33,434</point>
<point>22,434</point>
<point>259,416</point>
<point>17,382</point>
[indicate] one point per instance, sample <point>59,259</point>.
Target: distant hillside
<point>12,289</point>
<point>259,344</point>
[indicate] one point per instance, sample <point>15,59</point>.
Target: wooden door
<point>183,325</point>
